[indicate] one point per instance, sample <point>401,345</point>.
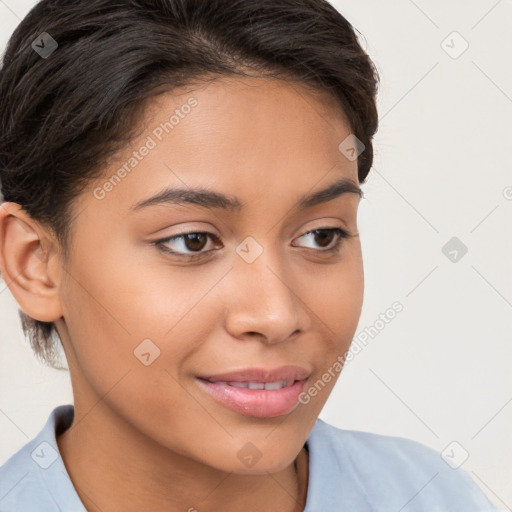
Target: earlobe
<point>24,257</point>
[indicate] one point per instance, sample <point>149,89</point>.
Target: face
<point>262,281</point>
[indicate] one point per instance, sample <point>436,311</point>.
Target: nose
<point>264,302</point>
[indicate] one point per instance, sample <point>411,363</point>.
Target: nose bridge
<point>263,299</point>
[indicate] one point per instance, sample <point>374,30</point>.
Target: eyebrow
<point>216,200</point>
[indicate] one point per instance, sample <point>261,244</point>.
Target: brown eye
<point>186,245</point>
<point>195,241</point>
<point>323,238</point>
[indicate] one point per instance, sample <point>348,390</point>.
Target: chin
<point>261,458</point>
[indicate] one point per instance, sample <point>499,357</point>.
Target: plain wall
<point>440,370</point>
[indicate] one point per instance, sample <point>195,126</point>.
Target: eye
<point>194,241</point>
<point>325,238</point>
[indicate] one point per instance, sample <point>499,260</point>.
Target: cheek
<point>350,291</point>
<point>336,304</point>
<point>336,297</point>
<point>118,307</point>
<point>125,313</point>
<point>337,307</point>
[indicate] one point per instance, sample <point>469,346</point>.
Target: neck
<point>115,467</point>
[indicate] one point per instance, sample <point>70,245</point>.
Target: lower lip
<point>259,403</point>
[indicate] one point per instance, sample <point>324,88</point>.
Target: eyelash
<point>160,244</point>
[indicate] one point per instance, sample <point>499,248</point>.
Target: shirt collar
<point>325,473</point>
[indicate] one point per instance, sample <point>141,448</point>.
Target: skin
<point>147,437</point>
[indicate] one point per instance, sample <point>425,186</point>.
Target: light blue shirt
<point>349,471</point>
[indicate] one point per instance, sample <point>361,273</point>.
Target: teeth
<point>239,384</point>
<point>278,385</point>
<point>257,385</point>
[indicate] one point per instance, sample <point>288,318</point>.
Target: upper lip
<point>285,373</point>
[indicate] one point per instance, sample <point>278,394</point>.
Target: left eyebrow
<point>216,200</point>
<point>333,191</point>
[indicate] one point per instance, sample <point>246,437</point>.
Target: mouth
<point>257,392</point>
<point>279,384</point>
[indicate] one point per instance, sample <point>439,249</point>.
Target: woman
<point>181,182</point>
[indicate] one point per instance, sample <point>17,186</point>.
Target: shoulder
<point>386,472</point>
<point>35,476</point>
<point>21,482</point>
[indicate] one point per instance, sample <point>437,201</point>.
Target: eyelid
<point>340,232</point>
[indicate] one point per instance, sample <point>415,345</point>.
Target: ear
<point>26,250</point>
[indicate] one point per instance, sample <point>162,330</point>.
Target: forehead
<point>255,138</point>
<point>228,101</point>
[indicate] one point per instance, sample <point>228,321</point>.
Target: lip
<point>258,403</point>
<point>288,372</point>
